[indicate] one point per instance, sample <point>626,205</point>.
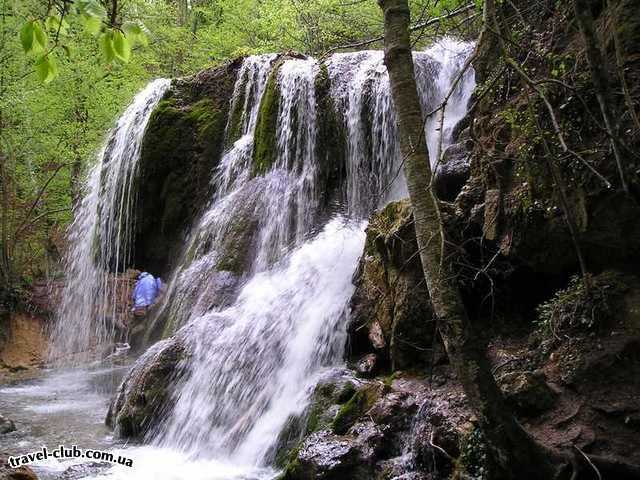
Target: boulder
<point>325,456</point>
<point>367,366</point>
<point>6,425</point>
<point>528,392</point>
<point>364,436</point>
<point>20,473</point>
<point>144,393</point>
<point>453,173</point>
<point>435,438</point>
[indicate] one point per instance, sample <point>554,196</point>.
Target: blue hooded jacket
<point>145,291</point>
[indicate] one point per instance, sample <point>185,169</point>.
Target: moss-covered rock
<point>183,142</point>
<point>391,314</point>
<point>331,142</point>
<point>265,148</point>
<point>144,395</point>
<point>367,438</point>
<point>361,401</point>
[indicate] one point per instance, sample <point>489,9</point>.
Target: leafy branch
<point>41,37</point>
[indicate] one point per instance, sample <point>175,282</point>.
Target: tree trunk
<point>600,79</point>
<point>5,265</point>
<point>515,454</point>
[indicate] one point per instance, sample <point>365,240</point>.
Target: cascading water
<point>260,297</point>
<point>100,236</point>
<point>361,90</point>
<point>254,361</point>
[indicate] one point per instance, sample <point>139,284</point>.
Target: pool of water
<point>68,407</point>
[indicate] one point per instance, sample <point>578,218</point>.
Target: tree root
<point>577,465</point>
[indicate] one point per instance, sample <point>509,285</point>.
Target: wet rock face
<point>435,438</point>
<point>391,314</point>
<point>383,431</point>
<point>144,393</point>
<point>183,142</point>
<point>453,173</point>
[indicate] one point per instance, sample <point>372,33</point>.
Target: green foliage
<point>43,36</point>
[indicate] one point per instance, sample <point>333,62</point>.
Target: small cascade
<point>291,182</point>
<point>100,237</point>
<point>361,91</point>
<point>253,363</point>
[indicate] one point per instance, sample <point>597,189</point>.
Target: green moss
<point>349,413</point>
<point>182,143</point>
<point>209,121</point>
<point>313,420</point>
<point>391,219</point>
<point>346,393</point>
<point>330,139</point>
<point>293,469</point>
<point>265,139</point>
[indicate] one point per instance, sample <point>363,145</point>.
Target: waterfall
<point>259,298</point>
<point>100,236</point>
<point>255,358</point>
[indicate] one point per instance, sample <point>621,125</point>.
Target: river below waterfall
<point>59,407</point>
<point>67,407</point>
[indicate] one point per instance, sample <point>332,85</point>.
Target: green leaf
<point>136,33</point>
<point>46,68</point>
<point>92,24</point>
<point>143,39</point>
<point>121,46</point>
<point>106,45</point>
<point>26,36</point>
<point>39,38</point>
<point>55,24</point>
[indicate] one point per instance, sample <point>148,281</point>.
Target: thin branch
<point>419,26</point>
<point>36,201</point>
<point>554,120</point>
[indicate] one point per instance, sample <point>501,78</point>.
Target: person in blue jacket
<point>145,293</point>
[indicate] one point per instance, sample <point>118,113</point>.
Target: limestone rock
<point>453,173</point>
<point>391,314</point>
<point>20,473</point>
<point>144,393</point>
<point>367,365</point>
<point>528,392</point>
